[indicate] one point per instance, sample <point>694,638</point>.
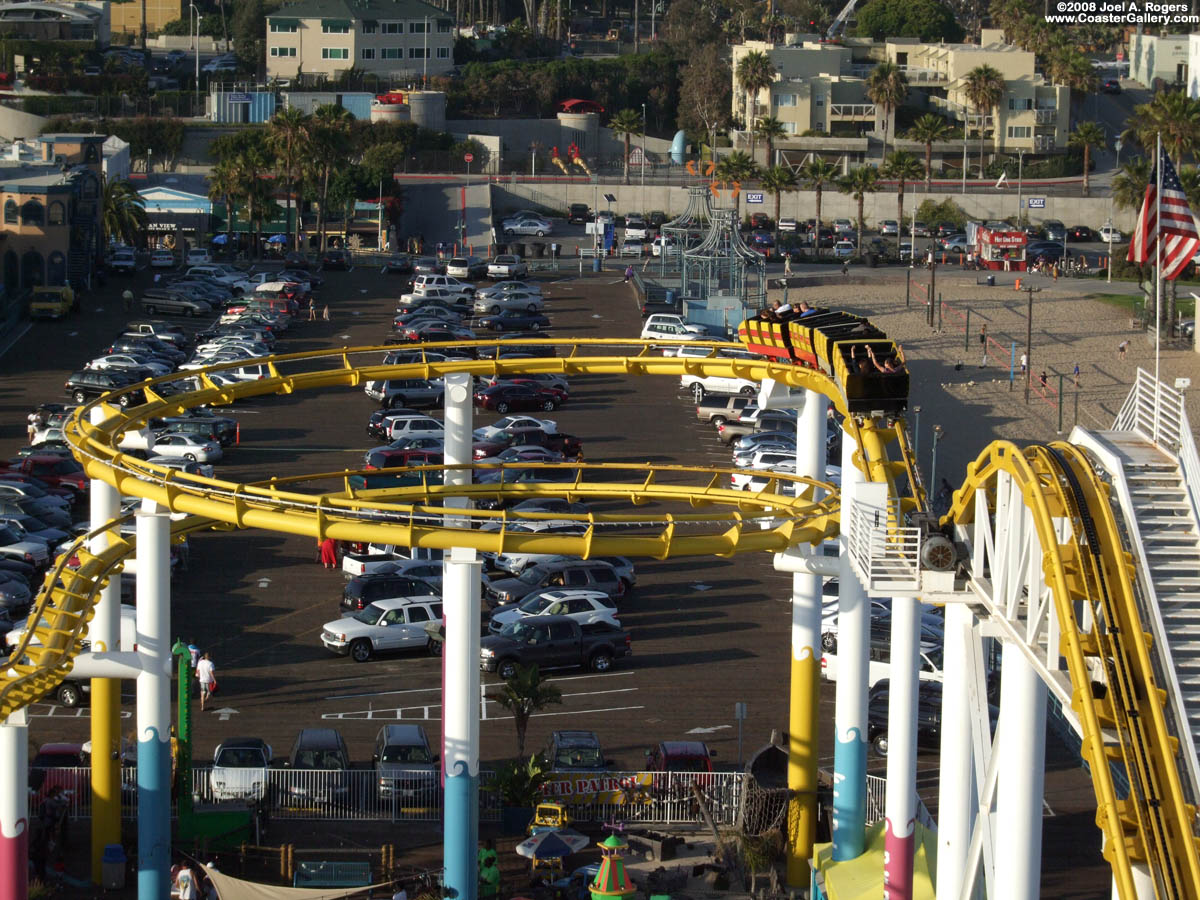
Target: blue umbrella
<point>552,844</point>
<point>220,239</point>
<point>277,239</point>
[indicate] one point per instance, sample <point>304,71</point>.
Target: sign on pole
<point>469,157</point>
<point>739,713</point>
<point>1037,202</point>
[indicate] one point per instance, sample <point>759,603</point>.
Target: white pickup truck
<point>354,564</point>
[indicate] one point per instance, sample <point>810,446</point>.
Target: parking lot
<point>707,633</point>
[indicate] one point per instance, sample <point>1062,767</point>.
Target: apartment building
<point>393,38</point>
<point>822,87</point>
<point>1154,57</point>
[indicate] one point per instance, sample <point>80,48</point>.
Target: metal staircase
<point>1150,458</point>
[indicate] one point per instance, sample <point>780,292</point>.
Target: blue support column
<point>154,702</point>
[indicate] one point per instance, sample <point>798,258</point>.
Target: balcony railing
<point>1046,116</point>
<point>1043,143</point>
<point>914,74</point>
<point>852,110</point>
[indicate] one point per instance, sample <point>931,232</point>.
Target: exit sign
<point>754,198</point>
<point>1037,202</point>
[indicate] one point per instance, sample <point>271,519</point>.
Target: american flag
<point>1178,226</point>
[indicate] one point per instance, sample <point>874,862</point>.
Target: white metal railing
<point>664,798</point>
<point>1045,116</point>
<point>886,554</point>
<point>914,74</point>
<point>1158,412</point>
<point>852,110</point>
<point>877,801</point>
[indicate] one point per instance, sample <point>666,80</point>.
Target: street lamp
<point>643,209</point>
<point>196,48</point>
<point>916,431</point>
<point>937,436</point>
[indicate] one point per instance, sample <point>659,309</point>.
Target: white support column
<point>460,663</point>
<point>105,635</point>
<point>154,701</point>
<point>956,789</point>
<point>1021,777</point>
<point>803,728</point>
<point>900,804</point>
<point>850,711</point>
<point>14,807</point>
<point>1143,884</point>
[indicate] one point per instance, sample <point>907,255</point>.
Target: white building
<point>1152,57</point>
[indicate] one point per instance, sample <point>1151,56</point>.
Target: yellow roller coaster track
<point>1153,823</point>
<point>1124,724</point>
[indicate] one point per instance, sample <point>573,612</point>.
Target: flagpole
<point>1157,282</point>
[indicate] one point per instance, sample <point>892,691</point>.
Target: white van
<point>880,666</point>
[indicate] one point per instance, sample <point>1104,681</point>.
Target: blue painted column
<point>154,701</point>
<point>850,710</point>
<point>460,664</point>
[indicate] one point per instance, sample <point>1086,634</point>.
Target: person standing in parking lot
<point>207,673</point>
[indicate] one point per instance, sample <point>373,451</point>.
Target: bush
<point>947,211</point>
<point>1062,166</point>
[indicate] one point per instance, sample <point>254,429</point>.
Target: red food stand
<point>994,248</point>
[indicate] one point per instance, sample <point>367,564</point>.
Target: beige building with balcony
<point>404,39</point>
<point>822,87</point>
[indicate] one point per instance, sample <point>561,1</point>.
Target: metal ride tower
<point>722,264</point>
<point>1037,559</point>
<point>687,228</point>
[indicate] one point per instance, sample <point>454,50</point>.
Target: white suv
<point>701,385</point>
<point>123,259</point>
<point>395,624</point>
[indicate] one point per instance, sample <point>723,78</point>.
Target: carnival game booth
<point>993,248</point>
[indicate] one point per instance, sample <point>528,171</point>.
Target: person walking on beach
<point>206,672</point>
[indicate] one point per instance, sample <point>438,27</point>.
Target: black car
<point>1110,86</point>
<point>1080,233</point>
<point>929,715</point>
<point>88,384</point>
<point>296,260</point>
<point>577,214</point>
<point>336,259</point>
<point>825,238</point>
<point>504,398</point>
<point>363,590</point>
<point>656,219</point>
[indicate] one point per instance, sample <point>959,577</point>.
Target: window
<point>368,53</point>
<point>335,53</point>
<point>443,26</point>
<point>789,127</point>
<point>334,28</point>
<point>10,212</point>
<point>418,53</point>
<point>1019,131</point>
<point>32,213</point>
<point>1020,103</point>
<point>283,28</point>
<point>391,53</point>
<point>393,28</point>
<point>370,27</point>
<point>443,52</point>
<point>418,27</point>
<point>283,51</point>
<point>57,214</point>
<point>418,614</point>
<point>820,101</point>
<point>785,99</point>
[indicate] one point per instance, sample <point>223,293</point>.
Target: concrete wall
<point>518,134</point>
<point>184,42</point>
<point>17,124</point>
<point>1092,211</point>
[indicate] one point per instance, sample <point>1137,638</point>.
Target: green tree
<point>887,87</point>
<point>249,27</point>
<point>770,130</point>
<point>928,20</point>
<point>904,167</point>
<point>929,129</point>
<point>755,72</point>
<point>626,124</point>
<point>223,186</point>
<point>985,87</point>
<point>704,91</point>
<point>734,170</point>
<point>328,149</point>
<point>775,181</point>
<point>1086,136</point>
<point>287,138</point>
<point>1172,114</point>
<point>862,181</point>
<point>816,174</point>
<point>523,694</point>
<point>123,213</point>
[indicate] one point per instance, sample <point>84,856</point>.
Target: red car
<point>680,756</point>
<point>503,398</point>
<point>56,471</point>
<point>566,444</point>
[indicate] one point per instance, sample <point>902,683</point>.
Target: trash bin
<point>670,298</point>
<point>539,249</point>
<point>112,868</point>
<point>991,281</point>
<point>515,250</point>
<point>596,261</point>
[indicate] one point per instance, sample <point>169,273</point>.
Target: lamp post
<point>937,436</point>
<point>192,11</point>
<point>1030,291</point>
<point>916,431</point>
<point>643,209</point>
<point>1020,172</point>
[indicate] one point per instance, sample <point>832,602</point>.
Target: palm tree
<point>1086,136</point>
<point>887,86</point>
<point>985,87</point>
<point>1175,116</point>
<point>627,123</point>
<point>929,129</point>
<point>770,130</point>
<point>287,135</point>
<point>523,694</point>
<point>223,186</point>
<point>862,181</point>
<point>755,71</point>
<point>775,181</point>
<point>815,174</point>
<point>734,169</point>
<point>902,166</point>
<point>1129,185</point>
<point>329,148</point>
<point>124,211</point>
